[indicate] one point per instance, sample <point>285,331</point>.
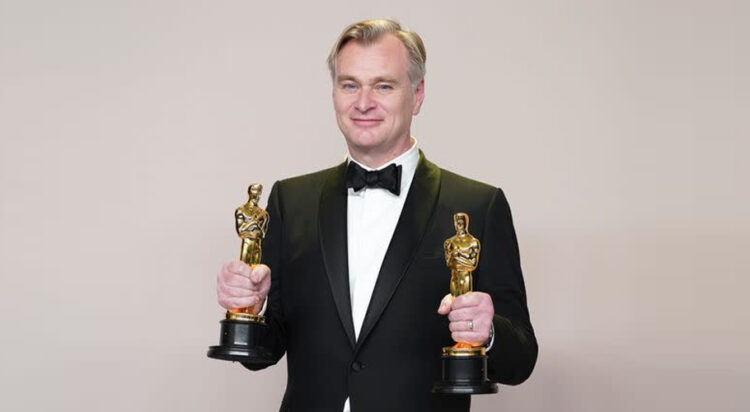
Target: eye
<point>384,87</point>
<point>348,87</point>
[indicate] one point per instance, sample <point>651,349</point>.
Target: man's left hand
<point>470,317</point>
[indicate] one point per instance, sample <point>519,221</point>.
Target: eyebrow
<point>392,80</point>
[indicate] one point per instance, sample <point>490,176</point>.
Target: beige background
<point>129,131</point>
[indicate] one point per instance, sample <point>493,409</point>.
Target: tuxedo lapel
<point>332,232</point>
<point>412,224</point>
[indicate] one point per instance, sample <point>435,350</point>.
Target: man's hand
<point>470,317</point>
<point>240,286</point>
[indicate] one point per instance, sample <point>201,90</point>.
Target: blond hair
<point>370,31</point>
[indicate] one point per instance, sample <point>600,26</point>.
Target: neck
<point>374,159</point>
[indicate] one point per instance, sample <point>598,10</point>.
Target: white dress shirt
<point>372,215</point>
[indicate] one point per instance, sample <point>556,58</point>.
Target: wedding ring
<point>471,325</point>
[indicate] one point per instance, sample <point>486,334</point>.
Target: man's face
<point>374,98</point>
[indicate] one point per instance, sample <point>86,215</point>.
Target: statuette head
<point>254,191</point>
<point>461,223</point>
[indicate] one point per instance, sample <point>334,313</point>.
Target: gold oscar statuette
<point>242,330</point>
<point>464,366</point>
<point>462,257</point>
<point>251,223</point>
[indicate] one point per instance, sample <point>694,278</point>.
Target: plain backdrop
<point>129,131</point>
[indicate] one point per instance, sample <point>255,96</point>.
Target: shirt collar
<point>408,159</point>
<point>408,162</point>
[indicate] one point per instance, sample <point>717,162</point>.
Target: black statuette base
<point>464,376</point>
<point>240,342</point>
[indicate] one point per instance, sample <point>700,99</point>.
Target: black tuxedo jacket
<point>396,360</point>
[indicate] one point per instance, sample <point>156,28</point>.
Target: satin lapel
<point>412,224</point>
<point>332,231</point>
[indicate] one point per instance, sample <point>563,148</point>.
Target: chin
<point>364,140</point>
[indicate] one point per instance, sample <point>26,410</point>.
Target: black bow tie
<point>388,178</point>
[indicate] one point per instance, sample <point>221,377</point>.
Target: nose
<point>365,100</point>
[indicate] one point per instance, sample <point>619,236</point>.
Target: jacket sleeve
<point>514,352</point>
<point>274,337</point>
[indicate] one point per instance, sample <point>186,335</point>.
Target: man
<point>354,282</point>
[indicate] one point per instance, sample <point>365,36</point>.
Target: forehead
<point>385,57</point>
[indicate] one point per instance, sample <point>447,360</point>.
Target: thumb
<point>259,273</point>
<point>445,304</point>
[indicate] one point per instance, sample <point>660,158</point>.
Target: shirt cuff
<point>263,309</point>
<point>491,339</point>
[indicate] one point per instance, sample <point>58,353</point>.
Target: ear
<point>418,98</point>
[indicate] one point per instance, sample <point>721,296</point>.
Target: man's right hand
<point>240,286</point>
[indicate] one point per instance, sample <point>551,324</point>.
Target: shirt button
<point>356,366</point>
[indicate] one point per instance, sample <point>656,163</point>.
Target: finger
<point>445,304</point>
<point>238,267</point>
<point>463,314</point>
<point>232,292</point>
<point>480,325</point>
<point>474,338</point>
<point>461,326</point>
<point>237,281</point>
<point>235,303</point>
<point>467,300</point>
<point>479,321</point>
<point>260,273</point>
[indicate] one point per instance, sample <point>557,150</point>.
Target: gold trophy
<point>241,329</point>
<point>464,368</point>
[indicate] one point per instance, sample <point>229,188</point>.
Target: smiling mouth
<point>366,122</point>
